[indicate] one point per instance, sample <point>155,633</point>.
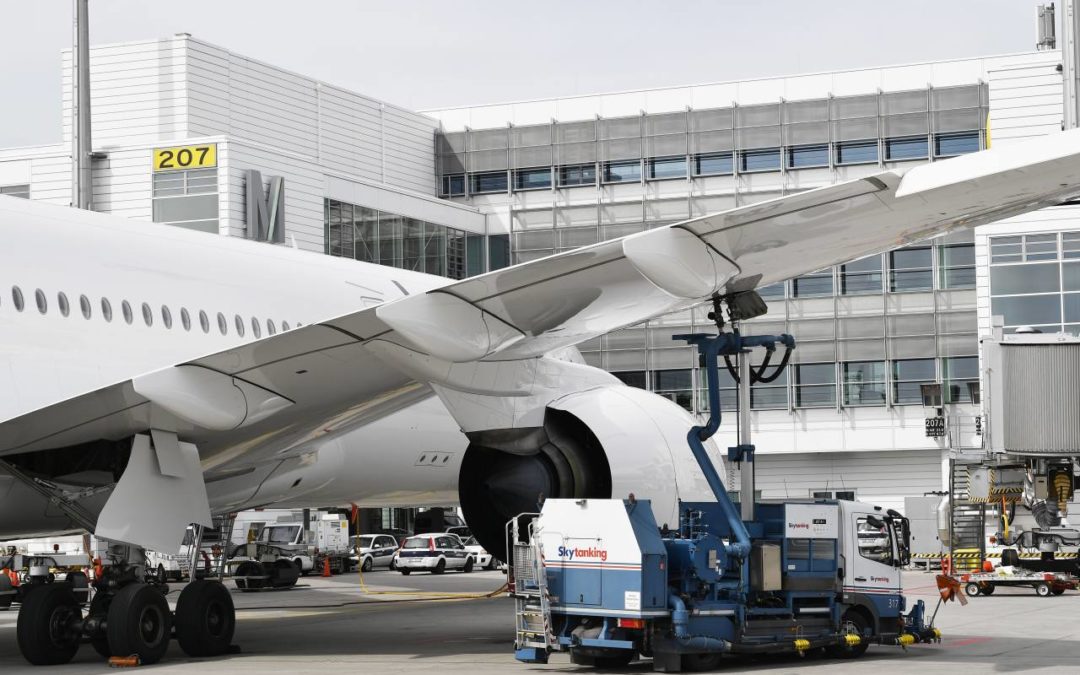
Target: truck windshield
<point>280,534</point>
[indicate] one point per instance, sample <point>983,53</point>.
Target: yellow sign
<point>185,157</point>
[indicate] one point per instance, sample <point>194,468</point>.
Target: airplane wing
<point>281,392</point>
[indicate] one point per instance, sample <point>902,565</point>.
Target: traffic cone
<point>326,566</point>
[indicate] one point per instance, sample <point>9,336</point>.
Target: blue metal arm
<point>710,347</point>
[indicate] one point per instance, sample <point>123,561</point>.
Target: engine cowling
<point>600,443</point>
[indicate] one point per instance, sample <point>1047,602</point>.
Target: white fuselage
<point>133,269</point>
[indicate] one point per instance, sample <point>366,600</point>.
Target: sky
<point>423,54</point>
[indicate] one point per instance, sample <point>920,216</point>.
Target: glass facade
<point>369,235</point>
<point>1035,281</point>
<point>870,331</point>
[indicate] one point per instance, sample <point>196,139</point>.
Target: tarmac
<point>329,625</point>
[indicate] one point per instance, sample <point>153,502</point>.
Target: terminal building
<point>190,134</point>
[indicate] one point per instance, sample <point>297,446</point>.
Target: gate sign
<point>935,427</point>
<point>978,425</point>
<point>185,157</point>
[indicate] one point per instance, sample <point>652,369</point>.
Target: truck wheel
<point>205,619</point>
<point>701,662</point>
<point>972,589</point>
<point>139,623</point>
<point>468,565</point>
<point>988,589</point>
<point>852,623</point>
<point>612,658</point>
<point>6,597</point>
<point>491,563</point>
<point>1042,589</point>
<point>368,564</point>
<point>248,568</point>
<point>300,566</point>
<point>440,567</point>
<point>405,572</point>
<point>45,630</point>
<point>1057,590</point>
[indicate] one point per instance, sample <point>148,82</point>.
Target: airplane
<point>153,376</point>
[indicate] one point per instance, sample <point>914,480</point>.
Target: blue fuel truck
<point>600,579</point>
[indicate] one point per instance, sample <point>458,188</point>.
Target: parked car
<point>435,552</point>
<point>481,558</point>
<point>397,533</point>
<point>373,550</point>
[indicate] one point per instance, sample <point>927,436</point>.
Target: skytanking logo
<point>585,553</point>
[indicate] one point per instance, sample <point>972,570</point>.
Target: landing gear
<point>49,629</point>
<point>127,616</point>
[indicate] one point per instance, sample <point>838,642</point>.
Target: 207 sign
<point>185,157</point>
<point>935,427</point>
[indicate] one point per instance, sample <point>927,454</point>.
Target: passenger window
<point>84,306</point>
<point>125,309</point>
<point>204,321</point>
<point>256,329</point>
<point>284,325</point>
<point>166,316</point>
<point>147,314</point>
<point>42,303</point>
<point>239,326</point>
<point>62,303</point>
<point>185,318</point>
<point>222,324</point>
<point>17,298</point>
<point>106,309</point>
<point>270,329</point>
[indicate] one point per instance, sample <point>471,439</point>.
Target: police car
<point>435,553</point>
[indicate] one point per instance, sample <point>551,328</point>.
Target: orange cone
<point>326,566</point>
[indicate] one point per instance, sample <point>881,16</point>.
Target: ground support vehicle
<point>1044,583</point>
<point>598,578</point>
<point>20,574</point>
<point>258,567</point>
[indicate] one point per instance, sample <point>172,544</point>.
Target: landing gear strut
<point>128,616</point>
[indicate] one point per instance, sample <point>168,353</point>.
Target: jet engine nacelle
<point>601,443</point>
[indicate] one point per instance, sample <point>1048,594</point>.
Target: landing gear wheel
<point>852,623</point>
<point>468,565</point>
<point>366,567</point>
<point>614,658</point>
<point>405,572</point>
<point>99,606</point>
<point>972,589</point>
<point>205,619</point>
<point>139,623</point>
<point>45,630</point>
<point>701,662</point>
<point>440,567</point>
<point>1042,589</point>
